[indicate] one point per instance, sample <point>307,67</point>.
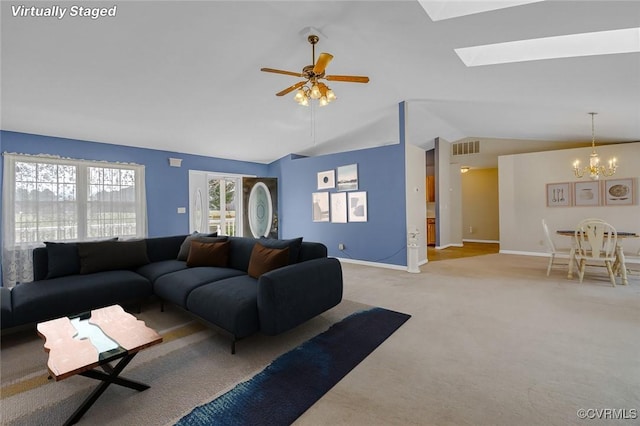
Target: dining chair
<point>561,253</point>
<point>596,242</point>
<point>632,260</point>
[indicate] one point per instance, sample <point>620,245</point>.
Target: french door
<point>215,203</point>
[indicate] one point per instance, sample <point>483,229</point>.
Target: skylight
<point>567,46</point>
<point>439,10</point>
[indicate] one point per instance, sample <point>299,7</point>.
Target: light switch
<point>182,210</point>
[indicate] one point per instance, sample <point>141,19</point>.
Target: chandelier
<point>318,90</point>
<point>594,169</point>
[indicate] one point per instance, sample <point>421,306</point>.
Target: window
<point>55,199</point>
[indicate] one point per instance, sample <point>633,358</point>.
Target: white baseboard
<point>377,264</point>
<point>481,241</point>
<point>448,245</point>
<point>535,253</point>
<point>526,253</point>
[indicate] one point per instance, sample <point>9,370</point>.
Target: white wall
<point>449,197</point>
<point>416,207</point>
<point>522,185</point>
<point>455,200</point>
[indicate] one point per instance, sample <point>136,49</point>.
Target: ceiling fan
<point>312,87</point>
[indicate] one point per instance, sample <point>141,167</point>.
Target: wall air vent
<point>465,148</point>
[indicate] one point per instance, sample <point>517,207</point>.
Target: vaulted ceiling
<point>185,76</point>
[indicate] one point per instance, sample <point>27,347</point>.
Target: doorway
<point>215,203</point>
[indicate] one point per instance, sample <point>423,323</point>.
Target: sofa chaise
<point>238,285</point>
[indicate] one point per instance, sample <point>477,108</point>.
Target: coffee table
<point>79,344</point>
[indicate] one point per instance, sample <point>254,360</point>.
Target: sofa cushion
<point>240,253</point>
<point>62,259</point>
<point>112,255</point>
<point>164,248</point>
<point>183,254</point>
<point>208,254</point>
<point>42,300</point>
<point>152,271</point>
<point>230,304</point>
<point>176,286</point>
<point>265,259</point>
<point>294,245</point>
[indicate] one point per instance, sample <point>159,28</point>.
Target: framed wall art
<point>559,194</point>
<point>357,206</point>
<point>619,192</point>
<point>339,207</point>
<point>348,177</point>
<point>587,193</point>
<point>320,206</point>
<point>326,180</point>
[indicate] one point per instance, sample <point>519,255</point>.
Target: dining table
<point>619,267</point>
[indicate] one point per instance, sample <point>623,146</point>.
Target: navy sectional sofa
<point>226,297</point>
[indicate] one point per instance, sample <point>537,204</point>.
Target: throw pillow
<point>209,254</point>
<point>62,259</point>
<point>183,254</point>
<point>294,245</point>
<point>112,255</point>
<point>264,259</point>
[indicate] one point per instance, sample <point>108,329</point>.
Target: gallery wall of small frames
<point>345,203</point>
<point>610,192</point>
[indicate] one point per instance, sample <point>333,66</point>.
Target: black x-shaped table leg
<point>111,376</point>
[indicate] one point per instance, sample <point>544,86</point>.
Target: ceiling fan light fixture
<point>299,95</point>
<point>313,85</point>
<point>315,91</point>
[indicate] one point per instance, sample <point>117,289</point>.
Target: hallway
<point>468,250</point>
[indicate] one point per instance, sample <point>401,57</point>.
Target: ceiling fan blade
<point>296,74</point>
<point>349,78</point>
<point>291,88</point>
<point>322,62</point>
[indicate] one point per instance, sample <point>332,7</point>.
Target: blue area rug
<point>285,389</point>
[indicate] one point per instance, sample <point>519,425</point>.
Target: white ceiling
<point>185,76</point>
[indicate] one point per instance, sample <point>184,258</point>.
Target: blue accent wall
<point>167,187</point>
<point>381,173</point>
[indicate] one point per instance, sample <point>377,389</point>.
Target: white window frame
<point>16,256</point>
<point>196,179</point>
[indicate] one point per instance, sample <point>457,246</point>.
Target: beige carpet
<point>192,366</point>
<point>492,341</point>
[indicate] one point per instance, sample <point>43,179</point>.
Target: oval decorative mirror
<point>260,210</point>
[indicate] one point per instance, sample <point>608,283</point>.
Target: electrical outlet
<point>340,246</point>
<point>471,229</point>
